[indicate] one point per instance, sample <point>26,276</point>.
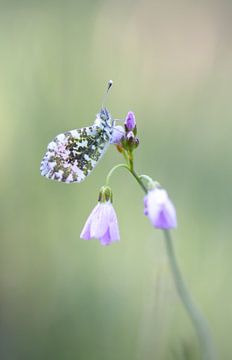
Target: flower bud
<point>130,122</point>
<point>130,136</point>
<point>105,194</point>
<point>136,142</point>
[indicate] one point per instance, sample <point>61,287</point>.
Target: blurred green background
<point>171,62</point>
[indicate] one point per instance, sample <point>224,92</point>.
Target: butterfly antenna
<point>110,83</point>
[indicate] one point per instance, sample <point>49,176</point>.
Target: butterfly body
<point>71,156</point>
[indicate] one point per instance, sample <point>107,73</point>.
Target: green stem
<point>125,156</point>
<point>147,178</point>
<point>138,179</point>
<point>130,170</point>
<point>199,322</point>
<point>131,160</point>
<point>113,170</point>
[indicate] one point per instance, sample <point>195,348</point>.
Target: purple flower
<point>130,122</point>
<point>102,224</point>
<point>159,209</point>
<point>118,134</point>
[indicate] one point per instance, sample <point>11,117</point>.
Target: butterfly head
<point>104,119</point>
<point>104,114</point>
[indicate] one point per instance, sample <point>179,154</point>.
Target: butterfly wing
<point>71,156</point>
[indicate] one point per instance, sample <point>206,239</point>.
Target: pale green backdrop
<point>64,298</point>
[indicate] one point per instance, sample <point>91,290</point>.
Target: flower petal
<point>159,209</point>
<point>118,134</point>
<point>102,224</point>
<point>85,234</point>
<point>106,239</point>
<point>113,226</point>
<point>130,121</point>
<point>100,221</point>
<point>169,215</point>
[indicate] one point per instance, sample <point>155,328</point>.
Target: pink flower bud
<point>130,122</point>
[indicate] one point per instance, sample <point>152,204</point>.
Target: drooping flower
<point>130,122</point>
<point>102,223</point>
<point>159,209</point>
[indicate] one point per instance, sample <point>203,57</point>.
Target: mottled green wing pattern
<point>71,156</point>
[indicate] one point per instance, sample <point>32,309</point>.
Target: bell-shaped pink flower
<point>102,224</point>
<point>159,209</point>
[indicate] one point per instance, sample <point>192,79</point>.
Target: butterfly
<point>72,155</point>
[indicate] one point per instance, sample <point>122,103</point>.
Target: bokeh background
<point>65,298</point>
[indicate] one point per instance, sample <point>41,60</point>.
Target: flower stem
<point>125,156</point>
<point>201,327</point>
<point>139,180</point>
<point>199,322</point>
<point>147,178</point>
<point>131,161</point>
<point>130,170</point>
<point>113,170</point>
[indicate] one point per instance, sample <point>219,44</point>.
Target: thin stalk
<point>139,180</point>
<point>137,177</point>
<point>131,160</point>
<point>113,170</point>
<point>198,321</point>
<point>147,178</point>
<point>125,156</point>
<point>131,171</point>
